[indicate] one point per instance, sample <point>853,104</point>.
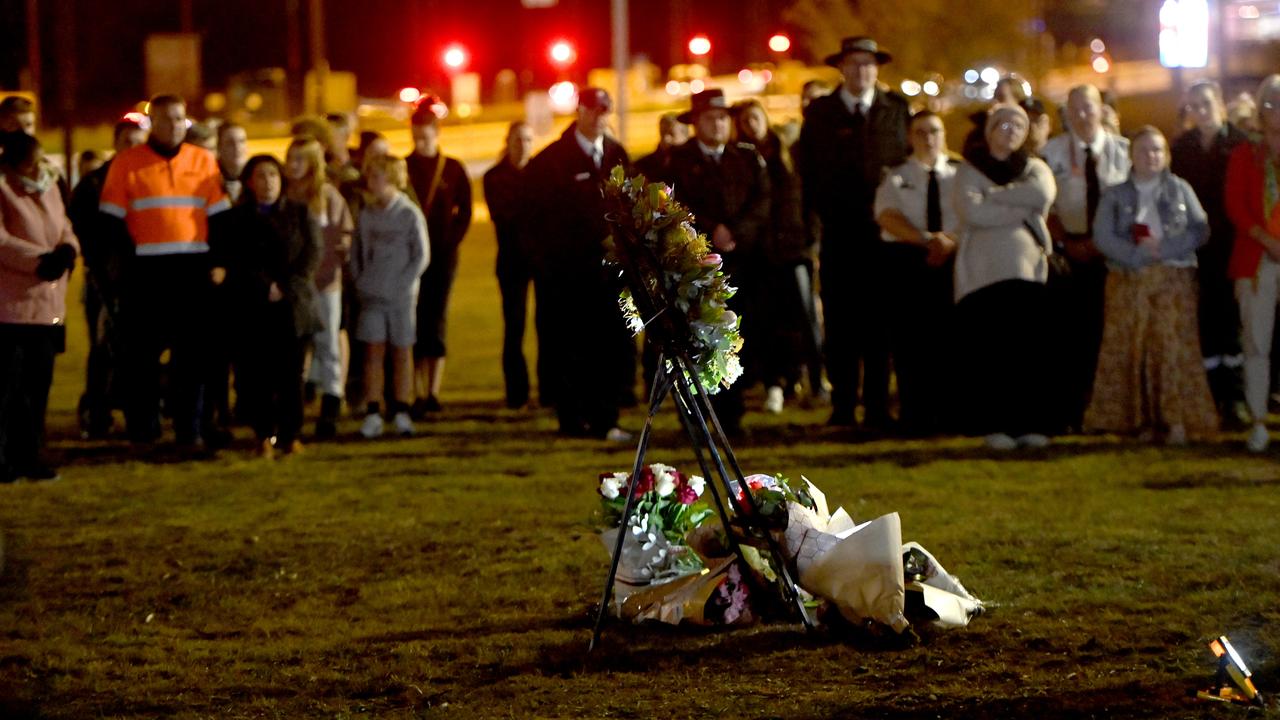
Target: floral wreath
<point>647,218</point>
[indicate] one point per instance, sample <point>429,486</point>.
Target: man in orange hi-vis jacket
<point>165,192</point>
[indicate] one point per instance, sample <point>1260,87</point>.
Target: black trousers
<point>433,304</point>
<point>269,366</point>
<point>97,401</point>
<point>783,326</point>
<point>26,372</point>
<point>1077,302</point>
<point>513,283</point>
<point>166,306</point>
<point>589,350</point>
<point>920,329</point>
<point>856,343</point>
<point>1000,375</point>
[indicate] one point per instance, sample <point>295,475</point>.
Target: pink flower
<point>687,495</point>
<point>644,484</point>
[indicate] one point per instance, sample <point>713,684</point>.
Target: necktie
<point>597,157</point>
<point>933,210</point>
<point>1091,189</point>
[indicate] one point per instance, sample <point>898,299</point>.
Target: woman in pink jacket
<point>37,251</point>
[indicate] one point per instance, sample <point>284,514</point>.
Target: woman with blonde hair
<point>1253,206</point>
<point>306,183</point>
<point>1150,377</point>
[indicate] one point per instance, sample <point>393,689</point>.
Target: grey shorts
<point>385,323</point>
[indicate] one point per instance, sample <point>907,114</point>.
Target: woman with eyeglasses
<point>1002,196</point>
<point>1253,205</point>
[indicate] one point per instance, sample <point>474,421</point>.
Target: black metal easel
<point>667,331</point>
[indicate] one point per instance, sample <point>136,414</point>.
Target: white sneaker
<point>1000,441</point>
<point>1035,441</point>
<point>404,425</point>
<point>372,426</point>
<point>1259,438</point>
<point>773,400</point>
<point>618,435</point>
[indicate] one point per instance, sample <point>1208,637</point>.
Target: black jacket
<point>1206,171</point>
<point>280,246</point>
<point>449,215</point>
<point>567,210</point>
<point>733,192</point>
<point>841,157</point>
<point>504,194</point>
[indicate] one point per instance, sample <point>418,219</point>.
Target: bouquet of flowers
<point>647,221</point>
<point>678,565</point>
<point>659,576</point>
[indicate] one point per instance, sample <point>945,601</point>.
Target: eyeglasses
<point>1011,126</point>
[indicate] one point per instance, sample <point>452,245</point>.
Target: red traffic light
<point>456,57</point>
<point>699,45</point>
<point>779,43</point>
<point>562,53</point>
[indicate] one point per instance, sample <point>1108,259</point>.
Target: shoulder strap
<point>435,185</point>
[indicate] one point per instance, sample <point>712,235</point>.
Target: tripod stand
<point>669,333</point>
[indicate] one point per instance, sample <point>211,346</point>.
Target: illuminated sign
<point>1184,33</point>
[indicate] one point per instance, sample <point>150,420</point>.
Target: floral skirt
<point>1150,373</point>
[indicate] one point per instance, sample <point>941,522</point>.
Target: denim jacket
<point>1186,226</point>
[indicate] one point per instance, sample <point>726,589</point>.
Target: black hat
<point>710,99</point>
<point>858,44</point>
<point>594,98</point>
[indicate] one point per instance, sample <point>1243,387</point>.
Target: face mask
<point>40,185</point>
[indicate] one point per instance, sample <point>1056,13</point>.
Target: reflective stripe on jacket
<point>166,203</point>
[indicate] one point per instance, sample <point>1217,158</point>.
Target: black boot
<point>327,424</point>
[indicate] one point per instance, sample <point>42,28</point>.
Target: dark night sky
<point>377,39</point>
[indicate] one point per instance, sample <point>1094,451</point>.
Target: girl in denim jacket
<point>1150,378</point>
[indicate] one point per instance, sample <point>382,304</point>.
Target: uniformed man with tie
<point>1085,160</point>
<point>592,353</point>
<point>918,221</point>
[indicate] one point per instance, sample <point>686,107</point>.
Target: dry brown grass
<point>454,574</point>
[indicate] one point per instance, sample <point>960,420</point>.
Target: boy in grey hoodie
<point>389,254</point>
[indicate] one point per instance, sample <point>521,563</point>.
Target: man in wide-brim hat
<point>851,45</point>
<point>710,99</point>
<point>848,139</point>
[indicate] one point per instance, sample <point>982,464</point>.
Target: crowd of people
<point>1023,287</point>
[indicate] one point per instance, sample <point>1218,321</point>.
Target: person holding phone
<point>1150,379</point>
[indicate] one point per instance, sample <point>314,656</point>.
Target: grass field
<point>454,574</point>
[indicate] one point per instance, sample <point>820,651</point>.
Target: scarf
<point>1000,172</point>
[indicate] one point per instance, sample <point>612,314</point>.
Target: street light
<point>779,43</point>
<point>562,53</point>
<point>699,46</point>
<point>456,57</point>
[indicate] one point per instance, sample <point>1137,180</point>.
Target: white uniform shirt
<point>906,189</point>
<point>1065,157</point>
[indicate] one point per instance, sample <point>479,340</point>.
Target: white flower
<point>609,487</point>
<point>664,481</point>
<point>733,369</point>
<point>697,484</point>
